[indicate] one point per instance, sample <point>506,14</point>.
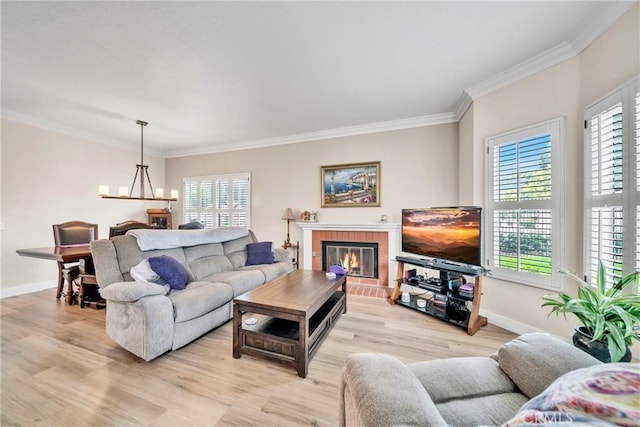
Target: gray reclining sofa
<point>147,320</point>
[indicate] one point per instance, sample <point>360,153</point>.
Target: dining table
<point>62,255</point>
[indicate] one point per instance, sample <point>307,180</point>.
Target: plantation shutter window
<point>612,183</point>
<point>524,206</point>
<point>219,200</point>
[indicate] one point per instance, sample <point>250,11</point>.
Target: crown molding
<point>601,19</point>
<point>598,23</point>
<point>546,59</point>
<point>74,132</point>
<point>392,125</point>
<point>461,107</point>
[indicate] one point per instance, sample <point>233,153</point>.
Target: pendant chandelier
<point>142,172</point>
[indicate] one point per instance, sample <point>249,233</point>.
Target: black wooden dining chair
<point>70,234</point>
<point>122,227</point>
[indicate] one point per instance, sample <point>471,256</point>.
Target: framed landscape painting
<point>350,185</point>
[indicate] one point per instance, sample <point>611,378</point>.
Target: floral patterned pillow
<point>600,395</point>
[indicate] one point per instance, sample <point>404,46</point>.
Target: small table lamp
<point>288,215</point>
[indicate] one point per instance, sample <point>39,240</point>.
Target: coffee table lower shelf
<point>278,339</point>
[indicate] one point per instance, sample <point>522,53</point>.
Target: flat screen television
<point>447,233</point>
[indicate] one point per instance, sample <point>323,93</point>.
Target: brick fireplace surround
<point>386,235</point>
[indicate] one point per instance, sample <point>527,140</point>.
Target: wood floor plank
<point>59,368</point>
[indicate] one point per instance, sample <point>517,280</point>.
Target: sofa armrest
<point>535,360</point>
<point>144,327</point>
<point>131,291</point>
<point>379,390</point>
<point>280,255</point>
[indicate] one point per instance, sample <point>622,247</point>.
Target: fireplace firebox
<point>360,259</point>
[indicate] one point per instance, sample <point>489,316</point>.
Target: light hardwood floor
<point>60,368</point>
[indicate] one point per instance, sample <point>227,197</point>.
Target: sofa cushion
<point>241,281</point>
<point>129,254</point>
<point>466,377</point>
<point>170,270</point>
<point>238,245</point>
<point>259,253</point>
<point>194,253</point>
<point>199,298</point>
<point>205,260</point>
<point>236,250</point>
<point>271,271</point>
<point>490,410</point>
<point>533,361</point>
<point>280,254</point>
<point>105,261</point>
<point>205,267</point>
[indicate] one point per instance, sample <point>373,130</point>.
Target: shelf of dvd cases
<point>447,300</point>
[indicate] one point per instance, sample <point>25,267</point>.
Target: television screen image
<point>448,233</point>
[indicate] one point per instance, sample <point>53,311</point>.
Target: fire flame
<point>350,262</point>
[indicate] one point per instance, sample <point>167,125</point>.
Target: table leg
<point>344,290</point>
<point>396,289</point>
<point>302,361</point>
<point>68,277</point>
<point>60,280</point>
<point>237,330</point>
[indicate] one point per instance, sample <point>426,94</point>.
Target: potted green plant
<point>610,317</point>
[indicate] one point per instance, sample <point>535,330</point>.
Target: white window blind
<point>218,200</point>
<point>612,183</point>
<point>525,204</point>
<point>606,212</point>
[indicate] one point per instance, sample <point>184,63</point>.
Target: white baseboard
<point>509,324</point>
<point>27,289</point>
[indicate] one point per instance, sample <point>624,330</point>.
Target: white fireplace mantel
<point>374,226</point>
<point>393,229</point>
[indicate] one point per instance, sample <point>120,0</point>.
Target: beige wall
<point>467,154</point>
<point>562,90</point>
<point>418,169</point>
<point>48,178</point>
<point>612,59</point>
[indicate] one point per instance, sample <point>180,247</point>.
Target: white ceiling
<point>216,76</point>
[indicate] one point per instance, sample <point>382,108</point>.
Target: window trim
<point>557,128</point>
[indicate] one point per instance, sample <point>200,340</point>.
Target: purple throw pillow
<point>259,253</point>
<point>170,270</point>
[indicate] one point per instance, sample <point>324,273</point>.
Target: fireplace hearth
<point>360,259</point>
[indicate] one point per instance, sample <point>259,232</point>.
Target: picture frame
<point>350,185</point>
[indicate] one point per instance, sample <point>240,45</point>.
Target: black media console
<point>446,297</point>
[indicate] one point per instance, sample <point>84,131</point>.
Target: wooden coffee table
<point>295,312</point>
